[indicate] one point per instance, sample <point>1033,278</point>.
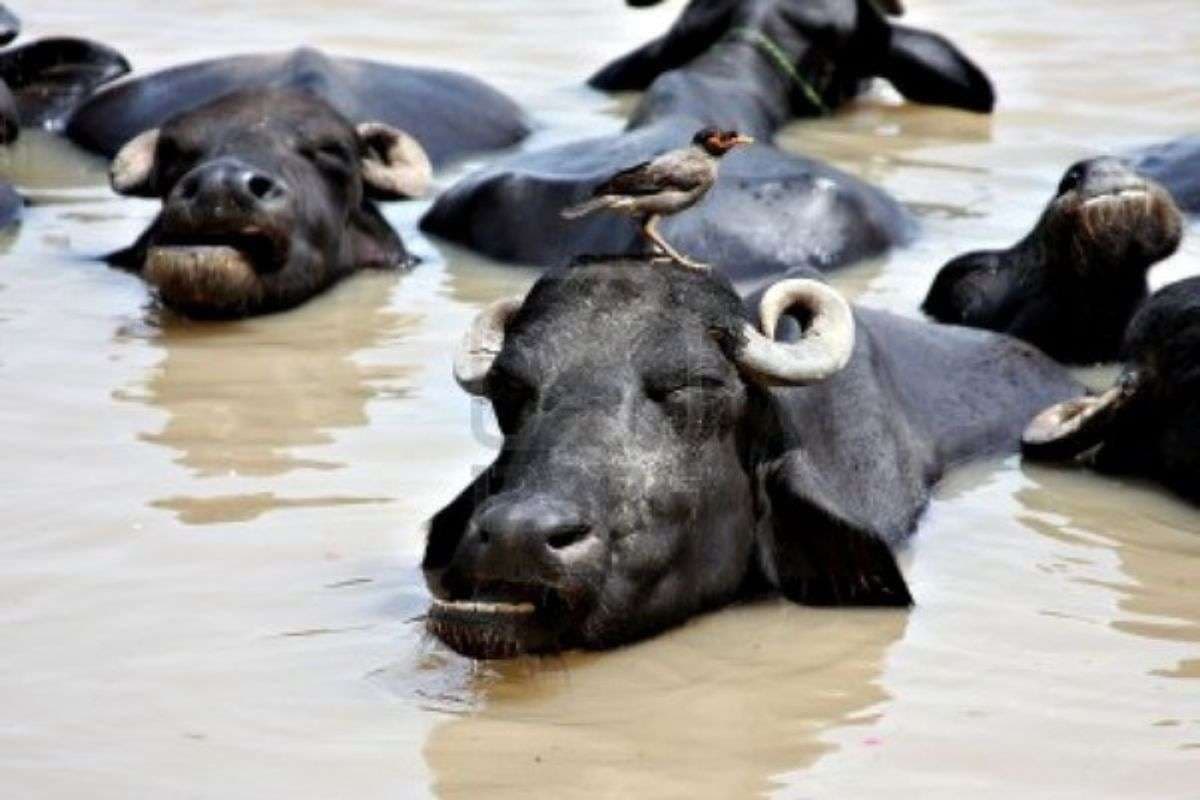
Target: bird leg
<point>650,228</point>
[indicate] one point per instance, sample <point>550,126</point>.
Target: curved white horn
<point>1063,431</point>
<point>482,343</point>
<point>824,348</point>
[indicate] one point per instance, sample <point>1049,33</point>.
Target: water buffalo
<point>1072,285</point>
<point>750,66</point>
<point>450,114</point>
<point>663,455</point>
<point>41,83</point>
<point>1146,424</point>
<point>827,50</point>
<point>267,199</point>
<point>268,167</point>
<point>1176,165</point>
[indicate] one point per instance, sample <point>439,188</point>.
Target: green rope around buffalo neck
<point>779,58</point>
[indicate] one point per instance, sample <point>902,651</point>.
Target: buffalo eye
<point>1071,180</point>
<point>662,387</point>
<point>331,155</point>
<point>511,396</point>
<point>694,403</point>
<point>174,159</point>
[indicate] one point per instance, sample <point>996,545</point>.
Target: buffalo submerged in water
<point>269,169</point>
<point>1073,284</point>
<point>750,66</point>
<point>663,455</point>
<point>41,84</point>
<point>1145,425</point>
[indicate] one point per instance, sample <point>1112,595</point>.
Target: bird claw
<point>665,258</point>
<point>699,266</point>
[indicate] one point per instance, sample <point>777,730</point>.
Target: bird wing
<point>666,173</point>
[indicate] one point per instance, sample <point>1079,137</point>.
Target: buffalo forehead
<point>648,337</point>
<point>1105,174</point>
<point>265,116</point>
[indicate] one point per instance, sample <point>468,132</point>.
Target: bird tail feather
<point>585,208</point>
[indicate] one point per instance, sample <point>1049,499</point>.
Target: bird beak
<point>742,139</point>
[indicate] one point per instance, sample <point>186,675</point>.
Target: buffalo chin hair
<point>1107,232</point>
<point>217,278</point>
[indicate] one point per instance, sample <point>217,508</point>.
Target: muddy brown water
<point>210,532</point>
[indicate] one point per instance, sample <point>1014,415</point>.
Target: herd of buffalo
<point>670,445</point>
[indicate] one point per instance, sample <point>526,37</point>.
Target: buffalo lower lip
<point>1121,196</point>
<point>194,257</point>
<point>481,607</point>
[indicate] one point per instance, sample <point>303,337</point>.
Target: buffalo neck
<point>747,82</point>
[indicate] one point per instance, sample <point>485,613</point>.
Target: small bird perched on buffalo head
<point>666,185</point>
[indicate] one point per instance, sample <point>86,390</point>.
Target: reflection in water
<point>246,507</point>
<point>241,398</point>
<point>720,708</point>
<point>49,169</point>
<point>477,281</point>
<point>890,135</point>
<point>1156,541</point>
<point>248,402</point>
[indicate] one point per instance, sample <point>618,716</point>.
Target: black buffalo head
<point>825,48</point>
<point>639,481</point>
<point>267,199</point>
<point>1072,285</point>
<point>1148,422</point>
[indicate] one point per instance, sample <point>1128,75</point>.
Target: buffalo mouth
<point>258,249</point>
<point>1135,196</point>
<point>502,621</point>
<point>213,275</point>
<point>1136,219</point>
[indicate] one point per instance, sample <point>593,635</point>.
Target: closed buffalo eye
<point>175,160</point>
<point>331,154</point>
<point>511,397</point>
<point>695,406</point>
<point>335,151</point>
<point>677,389</point>
<point>1071,180</point>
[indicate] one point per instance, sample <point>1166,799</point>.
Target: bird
<point>668,184</point>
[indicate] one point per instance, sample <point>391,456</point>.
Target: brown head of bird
<point>717,142</point>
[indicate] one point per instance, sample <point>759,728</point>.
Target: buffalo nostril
<point>565,537</point>
<point>261,186</point>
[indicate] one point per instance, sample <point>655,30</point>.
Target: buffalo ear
<point>699,27</point>
<point>446,528</point>
<point>132,171</point>
<point>926,68</point>
<point>974,289</point>
<point>814,550</point>
<point>394,165</point>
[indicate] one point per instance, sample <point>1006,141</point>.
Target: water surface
<point>208,559</point>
